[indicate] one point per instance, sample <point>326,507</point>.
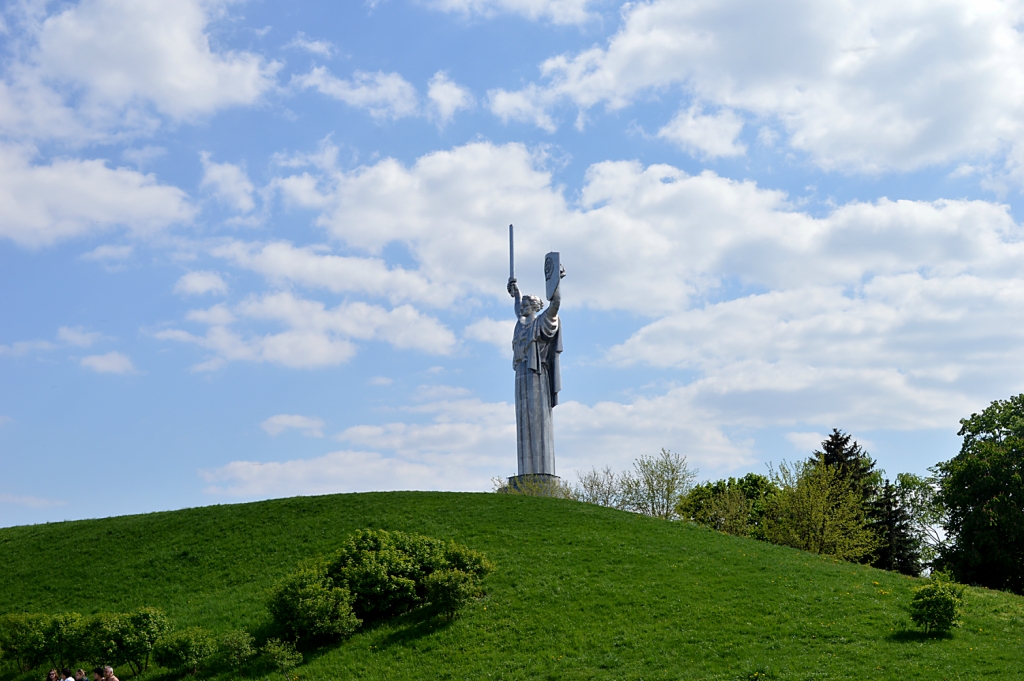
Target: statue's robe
<point>535,349</point>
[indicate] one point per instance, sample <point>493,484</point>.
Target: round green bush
<point>185,650</point>
<point>938,605</point>
<point>449,590</point>
<point>307,604</point>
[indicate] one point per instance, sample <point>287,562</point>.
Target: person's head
<point>97,674</point>
<point>80,675</point>
<point>53,675</point>
<point>530,305</point>
<point>65,673</point>
<point>108,672</point>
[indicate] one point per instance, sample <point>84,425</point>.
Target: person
<point>53,675</point>
<point>97,674</point>
<point>536,343</point>
<point>80,675</point>
<point>66,674</point>
<point>108,674</point>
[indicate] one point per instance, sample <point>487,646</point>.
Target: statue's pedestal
<point>535,484</point>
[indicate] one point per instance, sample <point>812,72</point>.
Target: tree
<point>599,487</point>
<point>656,484</point>
<point>982,489</point>
<point>818,510</point>
<point>842,452</point>
<point>927,515</point>
<point>735,506</point>
<point>899,547</point>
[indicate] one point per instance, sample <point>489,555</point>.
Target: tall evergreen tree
<point>839,449</point>
<point>899,548</point>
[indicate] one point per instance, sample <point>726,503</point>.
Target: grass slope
<point>581,592</point>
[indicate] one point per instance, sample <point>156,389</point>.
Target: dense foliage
<point>63,639</point>
<point>376,574</point>
<point>185,650</point>
<point>938,605</point>
<point>982,490</point>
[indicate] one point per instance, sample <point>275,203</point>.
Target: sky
<point>254,249</point>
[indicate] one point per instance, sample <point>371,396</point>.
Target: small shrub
<point>185,650</point>
<point>938,605</point>
<point>63,639</point>
<point>281,656</point>
<point>449,590</point>
<point>104,640</point>
<point>140,630</point>
<point>307,604</point>
<point>23,639</point>
<point>235,649</point>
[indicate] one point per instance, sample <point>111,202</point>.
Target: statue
<point>536,344</point>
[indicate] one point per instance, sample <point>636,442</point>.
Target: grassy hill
<point>581,592</point>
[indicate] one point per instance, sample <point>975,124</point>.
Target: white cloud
<point>529,105</point>
<point>78,336</point>
<point>862,86</point>
<point>493,331</point>
<point>315,336</point>
<point>109,252</point>
<point>301,41</point>
<point>229,183</point>
<point>384,95</point>
<point>143,156</point>
<point>20,348</point>
<point>555,11</point>
<point>110,363</point>
<point>30,501</point>
<point>771,307</point>
<point>455,442</point>
<point>281,262</point>
<point>200,283</point>
<point>446,97</point>
<point>805,442</point>
<point>310,426</point>
<point>708,136</point>
<point>380,380</point>
<point>43,204</point>
<point>343,471</point>
<point>151,50</point>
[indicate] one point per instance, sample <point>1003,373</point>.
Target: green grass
<point>581,592</point>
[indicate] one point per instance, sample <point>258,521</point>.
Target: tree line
<point>965,519</point>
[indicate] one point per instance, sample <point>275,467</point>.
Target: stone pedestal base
<point>535,484</point>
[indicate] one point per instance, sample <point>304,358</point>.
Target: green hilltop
<point>580,592</point>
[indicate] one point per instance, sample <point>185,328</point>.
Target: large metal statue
<point>536,344</point>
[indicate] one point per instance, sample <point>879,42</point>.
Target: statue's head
<point>530,304</point>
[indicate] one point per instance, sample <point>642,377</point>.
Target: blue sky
<point>254,249</point>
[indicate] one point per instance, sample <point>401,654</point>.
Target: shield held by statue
<point>552,272</point>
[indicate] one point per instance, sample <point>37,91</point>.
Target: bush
<point>104,640</point>
<point>938,605</point>
<point>23,639</point>
<point>235,649</point>
<point>63,639</point>
<point>449,590</point>
<point>387,571</point>
<point>281,656</point>
<point>140,630</point>
<point>185,650</point>
<point>308,604</point>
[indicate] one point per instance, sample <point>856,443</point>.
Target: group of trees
<point>966,519</point>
